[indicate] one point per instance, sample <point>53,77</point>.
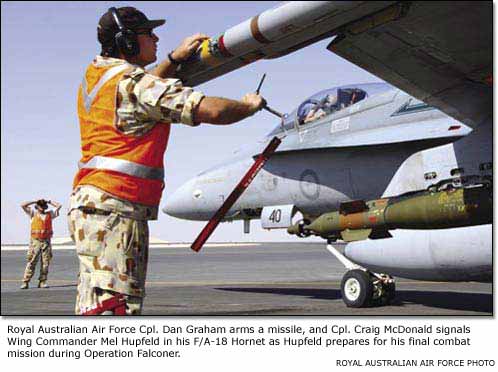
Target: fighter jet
<point>403,176</point>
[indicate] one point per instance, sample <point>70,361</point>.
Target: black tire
<point>356,289</point>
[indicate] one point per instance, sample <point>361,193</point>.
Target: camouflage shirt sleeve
<point>145,99</point>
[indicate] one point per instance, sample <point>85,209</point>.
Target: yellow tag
<point>206,55</point>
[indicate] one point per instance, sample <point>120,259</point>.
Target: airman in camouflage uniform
<point>112,248</point>
<point>111,234</point>
<point>39,247</point>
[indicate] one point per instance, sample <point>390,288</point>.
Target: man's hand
<point>26,208</point>
<point>188,46</point>
<point>254,101</point>
<point>166,69</point>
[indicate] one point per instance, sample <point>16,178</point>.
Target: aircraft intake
<point>427,209</point>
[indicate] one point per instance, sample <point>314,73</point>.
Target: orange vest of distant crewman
<point>126,166</point>
<point>41,228</point>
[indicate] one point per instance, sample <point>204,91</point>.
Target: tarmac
<point>264,279</point>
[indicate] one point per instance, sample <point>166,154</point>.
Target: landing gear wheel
<point>357,288</point>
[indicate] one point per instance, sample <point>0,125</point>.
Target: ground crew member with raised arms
<point>41,233</point>
<point>125,114</point>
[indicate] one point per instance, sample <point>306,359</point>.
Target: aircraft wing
<point>439,52</point>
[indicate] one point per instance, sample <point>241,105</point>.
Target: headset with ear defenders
<point>126,39</point>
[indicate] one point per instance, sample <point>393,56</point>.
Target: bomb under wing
<point>427,209</point>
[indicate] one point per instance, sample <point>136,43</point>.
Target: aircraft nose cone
<point>189,202</point>
<point>199,198</point>
<point>178,203</point>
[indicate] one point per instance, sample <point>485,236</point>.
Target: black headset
<point>126,39</point>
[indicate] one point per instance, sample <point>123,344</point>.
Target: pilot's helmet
<point>331,99</point>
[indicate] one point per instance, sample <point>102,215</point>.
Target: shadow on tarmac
<point>478,302</point>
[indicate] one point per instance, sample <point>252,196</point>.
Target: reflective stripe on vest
<point>89,97</point>
<point>123,166</point>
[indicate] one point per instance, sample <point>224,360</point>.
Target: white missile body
<point>275,24</point>
<point>271,34</point>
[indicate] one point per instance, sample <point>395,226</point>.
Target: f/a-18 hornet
<point>404,178</point>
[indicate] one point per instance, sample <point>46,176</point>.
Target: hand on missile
<point>188,46</point>
<point>254,101</point>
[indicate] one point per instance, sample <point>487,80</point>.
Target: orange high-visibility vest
<point>128,167</point>
<point>41,228</point>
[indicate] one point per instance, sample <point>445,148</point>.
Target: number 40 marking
<point>275,216</point>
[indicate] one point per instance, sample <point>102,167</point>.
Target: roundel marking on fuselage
<point>309,184</point>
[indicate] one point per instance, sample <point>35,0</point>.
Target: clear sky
<point>46,47</point>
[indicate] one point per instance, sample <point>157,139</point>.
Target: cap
<point>42,204</point>
<point>130,17</point>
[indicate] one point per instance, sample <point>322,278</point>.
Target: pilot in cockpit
<point>325,107</point>
<point>349,96</point>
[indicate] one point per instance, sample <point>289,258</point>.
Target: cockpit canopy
<point>330,101</point>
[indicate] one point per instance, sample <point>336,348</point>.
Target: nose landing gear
<point>362,288</point>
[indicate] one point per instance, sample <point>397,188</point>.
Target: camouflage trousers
<point>38,248</point>
<point>113,252</point>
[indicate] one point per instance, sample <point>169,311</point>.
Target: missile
<point>277,32</point>
<point>427,209</point>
